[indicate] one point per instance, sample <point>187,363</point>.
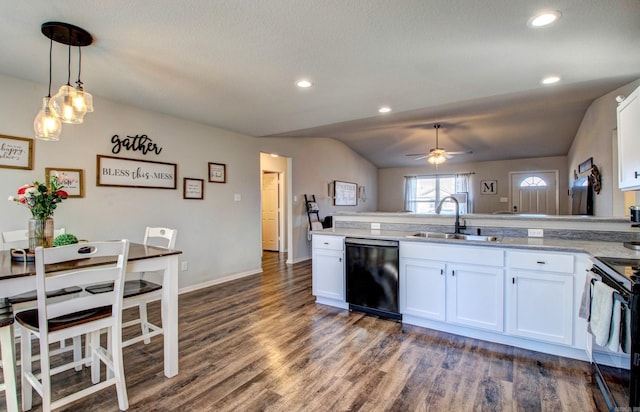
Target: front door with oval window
<point>534,192</point>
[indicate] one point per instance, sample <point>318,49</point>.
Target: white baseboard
<point>214,282</point>
<point>302,259</point>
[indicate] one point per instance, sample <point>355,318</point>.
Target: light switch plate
<point>375,226</point>
<point>536,233</point>
<point>237,197</point>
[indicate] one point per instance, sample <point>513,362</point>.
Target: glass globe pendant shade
<point>62,104</point>
<point>47,125</point>
<point>83,99</point>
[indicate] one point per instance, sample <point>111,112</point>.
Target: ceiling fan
<point>436,155</point>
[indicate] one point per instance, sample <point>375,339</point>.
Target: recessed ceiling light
<point>550,80</point>
<point>303,84</point>
<point>545,18</point>
<point>384,109</point>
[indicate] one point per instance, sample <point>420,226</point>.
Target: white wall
<point>391,181</point>
<point>316,163</point>
<point>594,139</point>
<point>220,237</point>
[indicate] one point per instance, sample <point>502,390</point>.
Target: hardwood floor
<point>261,343</point>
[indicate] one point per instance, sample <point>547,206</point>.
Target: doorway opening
<point>276,200</point>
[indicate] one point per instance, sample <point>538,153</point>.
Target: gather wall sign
<point>138,143</point>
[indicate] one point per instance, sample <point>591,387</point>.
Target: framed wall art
<point>345,193</point>
<point>488,187</point>
<point>122,172</point>
<point>217,172</point>
<point>72,180</point>
<point>16,152</point>
<point>193,188</point>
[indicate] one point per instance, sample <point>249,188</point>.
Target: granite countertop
<point>593,248</point>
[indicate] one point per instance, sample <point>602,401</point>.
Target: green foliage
<point>65,239</point>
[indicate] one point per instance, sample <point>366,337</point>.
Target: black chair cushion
<point>131,288</point>
<point>29,318</point>
<point>31,295</point>
<point>6,313</point>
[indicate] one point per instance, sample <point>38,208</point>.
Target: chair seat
<point>131,288</point>
<point>31,295</point>
<point>6,313</point>
<point>29,318</point>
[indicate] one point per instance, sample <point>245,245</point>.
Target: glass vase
<point>40,233</point>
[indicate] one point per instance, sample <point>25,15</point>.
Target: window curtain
<point>410,183</point>
<point>463,185</point>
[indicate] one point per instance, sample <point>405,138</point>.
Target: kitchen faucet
<point>457,227</point>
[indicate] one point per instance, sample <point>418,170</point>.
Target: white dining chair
<point>7,354</point>
<point>139,292</point>
<point>80,315</point>
<point>20,239</point>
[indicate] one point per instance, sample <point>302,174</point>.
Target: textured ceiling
<point>473,66</point>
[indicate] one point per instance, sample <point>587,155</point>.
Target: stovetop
<point>623,269</point>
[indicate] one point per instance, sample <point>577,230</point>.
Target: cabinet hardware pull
<point>541,262</point>
<point>339,259</point>
<point>442,271</point>
<point>453,273</point>
<point>513,280</point>
<point>636,174</point>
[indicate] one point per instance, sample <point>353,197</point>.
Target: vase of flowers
<point>41,199</point>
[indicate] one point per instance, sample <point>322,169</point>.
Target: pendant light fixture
<point>47,125</point>
<point>69,104</point>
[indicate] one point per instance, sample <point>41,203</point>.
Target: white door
<point>270,211</point>
<point>534,192</point>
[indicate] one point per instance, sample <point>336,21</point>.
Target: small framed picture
<point>193,188</point>
<point>16,152</point>
<point>217,172</point>
<point>72,180</point>
<point>488,187</point>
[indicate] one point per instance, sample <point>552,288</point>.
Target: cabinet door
<point>328,274</point>
<point>629,142</point>
<point>422,289</point>
<point>541,306</point>
<point>475,296</point>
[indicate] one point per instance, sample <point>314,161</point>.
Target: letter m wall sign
<point>488,187</point>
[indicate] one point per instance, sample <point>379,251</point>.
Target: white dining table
<point>19,277</point>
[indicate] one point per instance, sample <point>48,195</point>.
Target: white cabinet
<point>435,286</point>
<point>328,278</point>
<point>422,288</point>
<point>629,142</point>
<point>475,296</point>
<point>540,296</point>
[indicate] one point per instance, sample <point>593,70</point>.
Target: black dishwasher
<point>372,276</point>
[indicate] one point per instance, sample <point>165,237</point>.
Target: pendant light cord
<point>69,67</point>
<point>79,82</point>
<point>50,52</point>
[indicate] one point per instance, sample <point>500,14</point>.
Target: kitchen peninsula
<point>518,289</point>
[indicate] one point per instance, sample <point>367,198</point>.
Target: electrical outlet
<point>375,226</point>
<point>184,266</point>
<point>536,233</point>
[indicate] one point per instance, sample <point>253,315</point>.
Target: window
<point>533,181</point>
<point>424,193</point>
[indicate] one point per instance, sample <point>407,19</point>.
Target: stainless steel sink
<point>459,236</point>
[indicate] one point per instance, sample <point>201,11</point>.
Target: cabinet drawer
<point>328,242</point>
<point>547,262</point>
<point>489,256</point>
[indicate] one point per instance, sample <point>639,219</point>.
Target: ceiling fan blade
<point>421,157</point>
<point>415,154</point>
<point>462,152</point>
